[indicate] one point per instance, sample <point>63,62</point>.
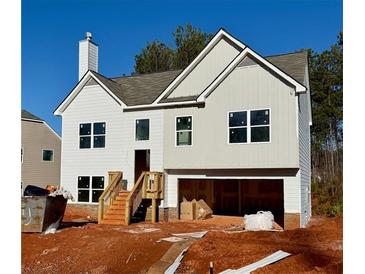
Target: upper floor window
<point>260,125</point>
<point>142,129</point>
<point>184,130</point>
<point>249,126</point>
<point>237,127</point>
<point>85,135</point>
<point>99,134</point>
<point>47,155</point>
<point>92,134</point>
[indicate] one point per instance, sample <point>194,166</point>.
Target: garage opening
<point>236,197</point>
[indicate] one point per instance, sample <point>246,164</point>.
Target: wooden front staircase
<point>115,214</point>
<point>117,206</point>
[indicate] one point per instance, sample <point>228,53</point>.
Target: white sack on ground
<point>263,220</point>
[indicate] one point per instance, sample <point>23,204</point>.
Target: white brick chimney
<point>88,55</point>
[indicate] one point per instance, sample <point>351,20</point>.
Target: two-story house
<point>40,152</point>
<point>232,128</point>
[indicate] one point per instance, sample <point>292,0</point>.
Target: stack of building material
<point>195,210</point>
<point>187,210</point>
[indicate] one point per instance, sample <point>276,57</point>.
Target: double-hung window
<point>237,126</point>
<point>249,126</point>
<point>142,129</point>
<point>260,125</point>
<point>90,192</point>
<point>92,135</point>
<point>184,131</point>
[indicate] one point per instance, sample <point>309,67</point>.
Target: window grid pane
<point>99,128</point>
<point>184,123</point>
<point>238,135</point>
<point>85,129</point>
<point>260,134</point>
<point>85,142</point>
<point>99,141</point>
<point>83,182</point>
<point>183,138</point>
<point>260,117</point>
<point>98,182</point>
<point>83,195</point>
<point>142,129</point>
<point>238,119</point>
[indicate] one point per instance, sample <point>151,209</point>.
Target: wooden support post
<point>154,210</point>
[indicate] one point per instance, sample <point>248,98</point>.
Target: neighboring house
<point>232,128</point>
<point>40,152</point>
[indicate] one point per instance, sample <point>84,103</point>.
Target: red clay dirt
<point>98,249</point>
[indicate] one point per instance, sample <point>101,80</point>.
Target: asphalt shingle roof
<point>143,89</point>
<point>28,115</point>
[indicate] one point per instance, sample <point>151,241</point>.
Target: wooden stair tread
<point>112,222</point>
<point>114,217</point>
<point>116,207</point>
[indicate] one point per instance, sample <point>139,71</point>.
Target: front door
<point>141,162</point>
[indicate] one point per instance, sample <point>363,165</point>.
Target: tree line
<point>325,70</point>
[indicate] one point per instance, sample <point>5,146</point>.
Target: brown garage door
<point>236,197</point>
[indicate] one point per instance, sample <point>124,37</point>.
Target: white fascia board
<point>220,34</point>
<point>77,89</point>
<point>223,75</point>
<point>298,87</point>
<point>159,105</point>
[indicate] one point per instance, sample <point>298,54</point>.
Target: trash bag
<point>65,193</point>
<point>31,190</point>
<point>263,220</point>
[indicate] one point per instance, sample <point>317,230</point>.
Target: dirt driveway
<point>93,248</point>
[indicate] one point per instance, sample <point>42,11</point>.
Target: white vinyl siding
<point>246,88</point>
<point>207,70</point>
<point>95,104</point>
<point>304,157</point>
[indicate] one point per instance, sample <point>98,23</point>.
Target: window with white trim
<point>90,192</point>
<point>142,129</point>
<point>184,130</point>
<point>47,155</point>
<point>237,126</point>
<point>260,125</point>
<point>92,135</point>
<point>249,126</point>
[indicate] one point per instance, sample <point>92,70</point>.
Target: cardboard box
<point>187,210</point>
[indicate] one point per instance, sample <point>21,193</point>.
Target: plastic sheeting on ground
<point>263,220</point>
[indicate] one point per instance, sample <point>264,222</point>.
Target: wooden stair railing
<point>114,186</point>
<point>150,185</point>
